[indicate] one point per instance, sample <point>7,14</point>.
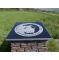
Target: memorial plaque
<point>24,31</point>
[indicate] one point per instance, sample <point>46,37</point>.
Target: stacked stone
<point>29,47</point>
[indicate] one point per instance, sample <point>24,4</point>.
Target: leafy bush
<point>53,46</point>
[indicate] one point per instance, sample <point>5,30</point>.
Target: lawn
<point>9,18</point>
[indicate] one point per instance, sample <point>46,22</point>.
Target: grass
<point>9,18</point>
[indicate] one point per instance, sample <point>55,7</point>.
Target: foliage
<point>53,45</point>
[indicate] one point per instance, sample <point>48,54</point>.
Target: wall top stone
<point>28,31</point>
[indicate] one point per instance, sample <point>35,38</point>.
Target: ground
<point>50,21</point>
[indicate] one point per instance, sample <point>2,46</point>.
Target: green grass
<point>9,18</point>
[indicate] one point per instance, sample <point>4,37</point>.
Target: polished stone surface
<point>25,31</point>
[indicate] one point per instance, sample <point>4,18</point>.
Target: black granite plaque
<point>28,31</point>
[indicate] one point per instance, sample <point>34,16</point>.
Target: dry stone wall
<point>40,46</point>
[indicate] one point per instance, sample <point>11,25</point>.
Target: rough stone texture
<point>29,46</point>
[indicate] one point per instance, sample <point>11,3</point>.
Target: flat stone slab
<point>28,31</point>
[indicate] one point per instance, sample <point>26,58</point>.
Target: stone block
<point>13,50</point>
<point>28,48</point>
<point>33,44</point>
<point>15,44</point>
<point>28,44</point>
<point>42,50</point>
<point>20,50</point>
<point>42,44</point>
<point>23,44</point>
<point>32,50</point>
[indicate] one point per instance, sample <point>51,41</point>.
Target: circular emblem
<point>28,29</point>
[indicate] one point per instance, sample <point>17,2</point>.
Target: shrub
<point>53,46</point>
